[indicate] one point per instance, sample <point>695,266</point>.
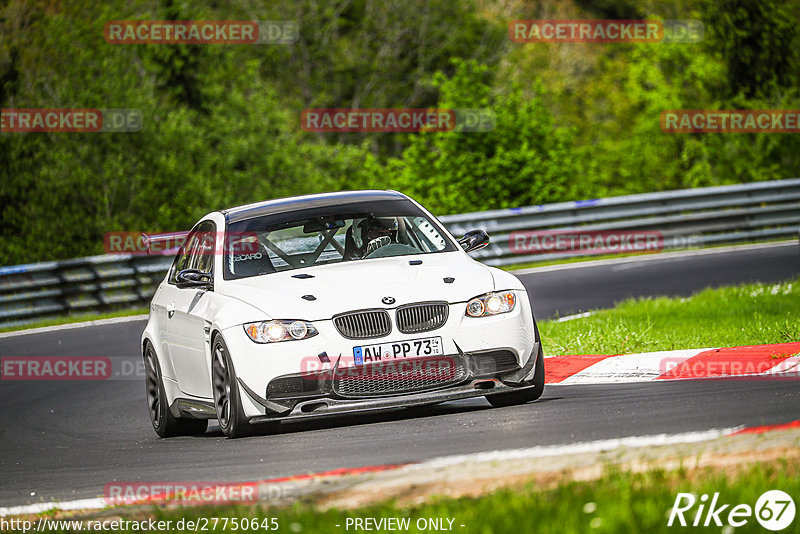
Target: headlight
<point>491,304</point>
<point>277,331</point>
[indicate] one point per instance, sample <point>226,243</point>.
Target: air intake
<point>423,317</point>
<point>363,324</point>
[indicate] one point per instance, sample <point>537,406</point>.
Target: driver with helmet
<point>373,233</point>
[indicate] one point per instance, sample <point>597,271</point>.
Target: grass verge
<point>620,501</point>
<point>748,314</point>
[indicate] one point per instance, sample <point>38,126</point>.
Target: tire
<point>164,423</point>
<point>230,415</point>
<point>513,398</point>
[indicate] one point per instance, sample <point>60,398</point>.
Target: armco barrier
<point>694,217</point>
<point>97,283</point>
<point>699,217</point>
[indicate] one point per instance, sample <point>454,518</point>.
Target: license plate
<point>413,348</point>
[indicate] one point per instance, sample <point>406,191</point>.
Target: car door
<point>159,306</point>
<point>188,313</point>
<point>163,307</point>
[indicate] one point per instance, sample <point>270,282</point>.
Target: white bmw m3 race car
<point>329,304</point>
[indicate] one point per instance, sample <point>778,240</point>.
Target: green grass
<point>749,314</point>
<point>623,502</point>
<point>619,502</point>
<point>76,318</point>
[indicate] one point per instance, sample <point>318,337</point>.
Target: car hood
<point>356,285</point>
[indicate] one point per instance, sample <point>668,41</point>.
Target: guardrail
<point>97,283</point>
<point>689,217</point>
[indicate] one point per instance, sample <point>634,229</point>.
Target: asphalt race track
<point>66,440</point>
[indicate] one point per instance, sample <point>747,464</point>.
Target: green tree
<point>524,160</point>
<point>759,41</point>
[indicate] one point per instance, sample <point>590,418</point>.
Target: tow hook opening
<point>484,384</point>
<point>313,407</point>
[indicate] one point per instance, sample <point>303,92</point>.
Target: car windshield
<point>333,234</point>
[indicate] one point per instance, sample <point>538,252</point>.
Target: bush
<point>524,160</point>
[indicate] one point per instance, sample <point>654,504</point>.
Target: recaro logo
<point>774,510</point>
<point>245,257</point>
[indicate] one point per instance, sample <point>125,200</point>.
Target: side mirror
<point>193,278</point>
<point>474,240</point>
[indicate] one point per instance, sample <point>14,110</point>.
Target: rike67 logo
<point>774,510</point>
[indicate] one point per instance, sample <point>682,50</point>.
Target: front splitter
<point>323,406</point>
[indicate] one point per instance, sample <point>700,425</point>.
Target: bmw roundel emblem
<point>387,300</point>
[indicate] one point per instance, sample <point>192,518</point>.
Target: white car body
<point>184,322</point>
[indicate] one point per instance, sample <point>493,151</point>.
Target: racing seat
<point>350,249</point>
<point>250,266</point>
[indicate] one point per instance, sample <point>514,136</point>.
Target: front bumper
<point>259,366</point>
<point>475,378</point>
<point>479,381</point>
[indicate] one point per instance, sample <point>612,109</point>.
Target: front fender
<point>235,312</point>
<point>505,280</point>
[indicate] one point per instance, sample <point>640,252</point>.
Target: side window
<point>181,260</point>
<point>197,252</point>
<point>203,252</point>
<point>427,234</point>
